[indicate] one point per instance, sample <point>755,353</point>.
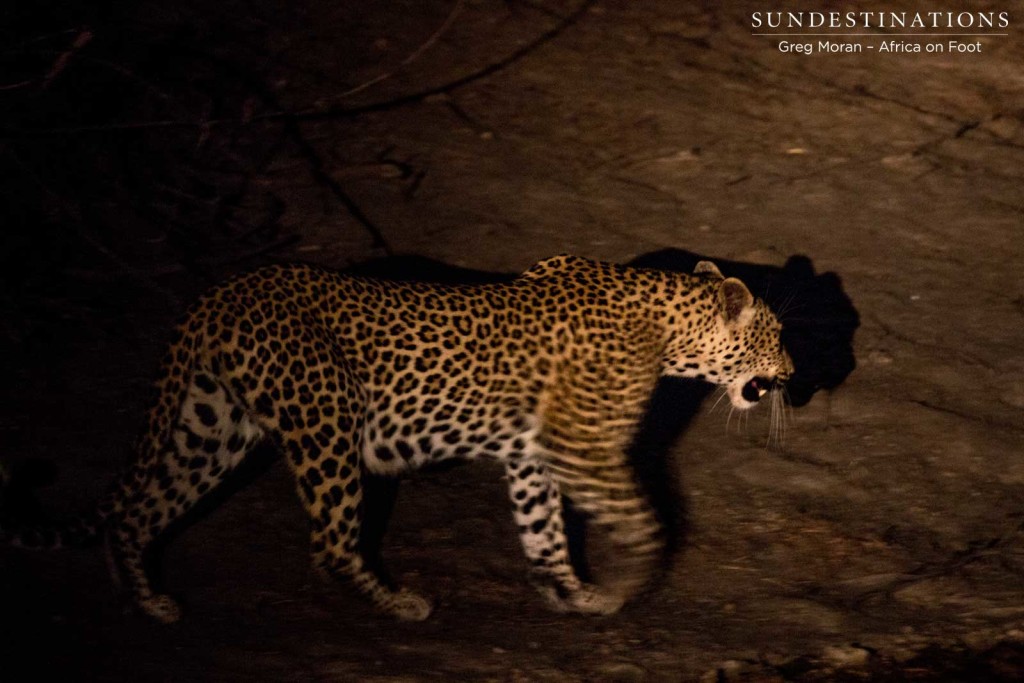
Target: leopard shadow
<point>819,322</point>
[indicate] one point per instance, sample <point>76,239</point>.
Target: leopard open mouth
<point>756,388</point>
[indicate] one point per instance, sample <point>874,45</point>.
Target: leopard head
<point>720,333</point>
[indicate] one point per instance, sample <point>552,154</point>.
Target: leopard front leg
<point>537,510</point>
<point>605,490</point>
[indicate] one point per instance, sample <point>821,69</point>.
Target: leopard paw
<point>592,600</point>
<point>163,608</point>
<point>408,606</point>
<point>584,600</point>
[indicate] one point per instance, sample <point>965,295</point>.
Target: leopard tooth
<point>761,392</point>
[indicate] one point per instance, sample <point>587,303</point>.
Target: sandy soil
<point>876,198</point>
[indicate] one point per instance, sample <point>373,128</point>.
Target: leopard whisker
<point>787,305</point>
<point>722,393</point>
<point>777,420</point>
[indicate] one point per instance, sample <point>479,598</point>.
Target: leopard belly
<point>396,444</point>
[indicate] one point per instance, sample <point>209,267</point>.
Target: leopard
<point>549,373</point>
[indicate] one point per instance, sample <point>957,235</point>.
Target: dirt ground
<point>876,199</point>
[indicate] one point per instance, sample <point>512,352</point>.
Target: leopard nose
<point>787,367</point>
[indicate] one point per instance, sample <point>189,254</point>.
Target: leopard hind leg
<point>210,437</point>
<point>337,541</point>
<point>323,449</point>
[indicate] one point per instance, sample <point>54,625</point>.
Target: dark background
<point>151,149</point>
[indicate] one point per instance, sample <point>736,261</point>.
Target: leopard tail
<point>75,532</point>
<point>88,528</point>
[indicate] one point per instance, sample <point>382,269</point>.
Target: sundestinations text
<point>902,20</point>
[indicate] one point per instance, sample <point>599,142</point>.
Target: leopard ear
<point>736,301</point>
<point>708,268</point>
